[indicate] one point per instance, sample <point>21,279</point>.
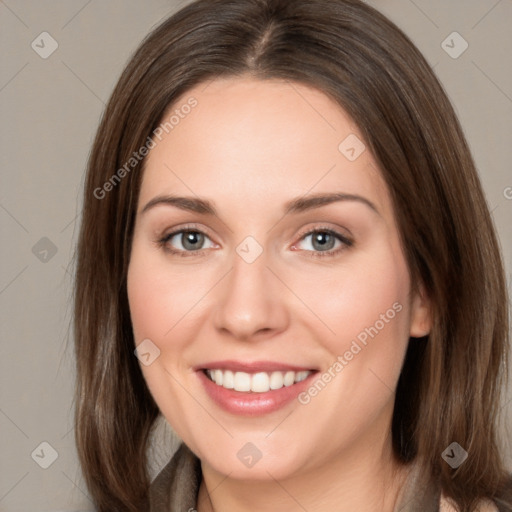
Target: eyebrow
<point>297,205</point>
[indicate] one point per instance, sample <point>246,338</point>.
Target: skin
<point>249,146</point>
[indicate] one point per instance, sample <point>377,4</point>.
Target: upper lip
<point>252,366</point>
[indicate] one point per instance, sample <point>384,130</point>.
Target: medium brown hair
<point>451,383</point>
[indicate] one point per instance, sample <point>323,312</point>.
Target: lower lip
<point>253,404</point>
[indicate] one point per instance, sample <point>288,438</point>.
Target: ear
<point>421,314</point>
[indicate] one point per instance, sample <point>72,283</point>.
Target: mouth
<point>253,388</point>
<point>258,382</point>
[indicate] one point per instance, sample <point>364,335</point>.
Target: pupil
<point>191,238</point>
<point>320,238</point>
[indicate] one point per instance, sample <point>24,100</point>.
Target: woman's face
<point>274,280</point>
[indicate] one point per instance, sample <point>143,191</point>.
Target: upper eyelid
<point>334,231</point>
<point>185,228</point>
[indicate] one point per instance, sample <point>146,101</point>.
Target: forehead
<point>260,140</point>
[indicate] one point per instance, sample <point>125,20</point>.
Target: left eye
<point>324,241</point>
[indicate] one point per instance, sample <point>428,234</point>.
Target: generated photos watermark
<point>163,128</point>
<point>356,347</point>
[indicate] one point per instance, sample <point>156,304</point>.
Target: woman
<point>285,251</point>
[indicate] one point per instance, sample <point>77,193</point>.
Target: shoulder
<point>446,505</point>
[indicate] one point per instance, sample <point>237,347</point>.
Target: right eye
<point>183,241</point>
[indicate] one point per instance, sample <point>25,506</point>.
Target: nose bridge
<point>250,302</point>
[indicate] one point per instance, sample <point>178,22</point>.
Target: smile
<point>253,389</point>
<point>260,382</point>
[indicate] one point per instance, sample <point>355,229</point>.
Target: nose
<point>251,301</point>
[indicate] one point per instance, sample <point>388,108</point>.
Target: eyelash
<point>314,254</point>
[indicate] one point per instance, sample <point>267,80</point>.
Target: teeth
<point>289,378</point>
<point>301,375</point>
<point>276,380</point>
<point>242,381</point>
<point>260,382</point>
<point>218,376</point>
<point>228,379</point>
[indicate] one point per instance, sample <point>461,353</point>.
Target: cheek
<point>158,298</point>
<point>158,308</point>
<point>378,302</point>
<point>146,301</point>
<point>367,308</point>
<point>372,290</point>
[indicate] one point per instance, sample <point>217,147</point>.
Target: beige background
<point>49,111</point>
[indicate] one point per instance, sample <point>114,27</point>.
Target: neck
<point>363,478</point>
